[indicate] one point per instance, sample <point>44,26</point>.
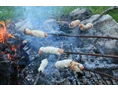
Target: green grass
<point>94,9</point>
<point>15,12</point>
<point>9,12</point>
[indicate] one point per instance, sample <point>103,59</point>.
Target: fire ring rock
<point>80,14</point>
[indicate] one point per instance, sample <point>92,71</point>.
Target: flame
<point>4,35</point>
<point>9,56</point>
<point>14,49</point>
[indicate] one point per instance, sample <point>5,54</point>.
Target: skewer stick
<point>84,36</point>
<point>102,73</point>
<point>89,54</point>
<point>37,78</point>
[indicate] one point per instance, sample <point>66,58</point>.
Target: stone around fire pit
<point>80,14</point>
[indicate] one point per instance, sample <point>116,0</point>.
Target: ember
<point>11,47</point>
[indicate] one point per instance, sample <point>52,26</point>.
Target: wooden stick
<point>102,73</point>
<point>22,24</point>
<point>84,36</point>
<point>109,9</point>
<point>89,54</point>
<point>37,78</point>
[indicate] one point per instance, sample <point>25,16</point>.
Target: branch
<point>22,24</point>
<point>84,36</point>
<point>37,78</point>
<point>109,9</point>
<point>102,73</point>
<point>89,54</point>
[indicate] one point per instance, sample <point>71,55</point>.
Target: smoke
<point>37,15</point>
<point>40,13</point>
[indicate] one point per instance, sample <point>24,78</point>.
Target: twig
<point>37,78</point>
<point>104,68</point>
<point>102,73</point>
<point>109,9</point>
<point>84,36</point>
<point>89,54</point>
<point>61,46</point>
<point>22,24</point>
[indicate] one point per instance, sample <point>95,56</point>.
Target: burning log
<point>68,63</point>
<point>41,69</point>
<point>36,33</point>
<point>52,50</point>
<point>98,55</point>
<point>84,36</point>
<point>4,37</point>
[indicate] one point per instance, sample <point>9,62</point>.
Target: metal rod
<point>98,55</point>
<point>84,36</point>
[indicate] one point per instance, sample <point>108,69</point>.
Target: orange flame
<point>4,35</point>
<point>13,48</point>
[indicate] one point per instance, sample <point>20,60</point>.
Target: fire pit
<point>95,48</point>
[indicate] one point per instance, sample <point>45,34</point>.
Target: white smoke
<point>41,13</point>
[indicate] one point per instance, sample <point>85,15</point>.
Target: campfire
<point>11,47</point>
<point>57,57</point>
<point>11,50</point>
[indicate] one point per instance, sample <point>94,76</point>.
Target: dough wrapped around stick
<point>36,33</point>
<point>52,50</point>
<point>84,27</point>
<point>43,65</point>
<point>76,66</point>
<point>68,63</point>
<point>41,69</point>
<point>63,63</point>
<point>74,23</point>
<point>89,25</point>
